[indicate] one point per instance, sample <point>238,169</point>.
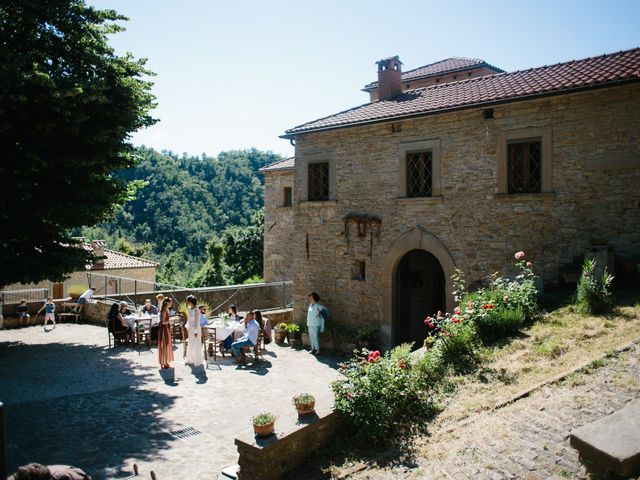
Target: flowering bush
<point>593,293</point>
<point>381,393</point>
<point>451,338</point>
<point>503,306</point>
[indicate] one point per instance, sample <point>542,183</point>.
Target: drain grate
<point>185,432</point>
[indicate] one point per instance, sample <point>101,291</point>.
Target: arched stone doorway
<point>415,239</point>
<point>419,291</point>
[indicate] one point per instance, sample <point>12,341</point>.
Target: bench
<point>611,444</point>
<point>68,312</point>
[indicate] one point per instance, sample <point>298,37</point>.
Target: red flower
<point>490,306</point>
<point>427,320</point>
<point>457,311</point>
<point>401,364</point>
<point>342,366</point>
<point>455,320</point>
<point>349,396</point>
<point>439,314</point>
<point>485,306</point>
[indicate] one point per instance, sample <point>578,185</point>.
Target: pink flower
<point>427,320</point>
<point>457,311</point>
<point>519,255</point>
<point>439,314</point>
<point>349,396</point>
<point>529,264</point>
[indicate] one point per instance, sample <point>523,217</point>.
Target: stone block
<point>611,443</point>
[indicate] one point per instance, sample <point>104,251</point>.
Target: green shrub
<point>381,394</point>
<point>593,293</point>
<point>76,290</point>
<point>451,340</point>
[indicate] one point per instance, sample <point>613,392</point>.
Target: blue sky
<point>236,74</point>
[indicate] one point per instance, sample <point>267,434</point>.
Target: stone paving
<point>71,400</point>
<point>528,439</point>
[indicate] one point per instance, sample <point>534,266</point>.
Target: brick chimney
<point>98,251</point>
<point>389,78</point>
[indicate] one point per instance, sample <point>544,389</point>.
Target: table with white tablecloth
<point>131,320</point>
<point>224,329</point>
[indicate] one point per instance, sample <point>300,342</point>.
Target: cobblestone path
<point>71,400</point>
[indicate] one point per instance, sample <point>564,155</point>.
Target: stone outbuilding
<point>116,273</point>
<point>389,197</point>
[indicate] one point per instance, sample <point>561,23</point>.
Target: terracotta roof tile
<point>116,260</point>
<point>286,164</point>
<point>453,64</point>
<point>554,79</point>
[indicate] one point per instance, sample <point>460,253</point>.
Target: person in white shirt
<point>87,295</point>
<point>249,336</point>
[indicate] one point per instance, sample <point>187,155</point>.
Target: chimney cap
<point>385,62</point>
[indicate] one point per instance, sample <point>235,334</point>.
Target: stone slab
<point>612,442</point>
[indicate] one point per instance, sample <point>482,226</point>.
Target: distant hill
<point>187,199</point>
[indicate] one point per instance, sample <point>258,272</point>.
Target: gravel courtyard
<point>72,400</point>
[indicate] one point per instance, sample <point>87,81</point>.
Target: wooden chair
<point>210,341</point>
<point>177,328</point>
<point>118,336</point>
<point>257,349</point>
<point>142,332</point>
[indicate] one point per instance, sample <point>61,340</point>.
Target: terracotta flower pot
<point>264,430</point>
<point>280,335</point>
<point>305,409</point>
<point>306,341</point>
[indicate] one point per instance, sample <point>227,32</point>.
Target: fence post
<point>46,294</point>
<point>105,287</point>
<point>3,445</point>
<point>135,293</point>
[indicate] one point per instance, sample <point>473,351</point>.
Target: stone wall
<point>278,224</point>
<point>592,138</point>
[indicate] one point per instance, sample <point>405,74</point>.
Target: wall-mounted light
<point>487,114</point>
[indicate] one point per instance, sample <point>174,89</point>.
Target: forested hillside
<point>188,201</point>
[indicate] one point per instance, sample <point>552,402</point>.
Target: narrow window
<point>419,174</point>
<point>287,197</point>
<point>524,166</point>
<point>358,270</point>
<point>318,182</point>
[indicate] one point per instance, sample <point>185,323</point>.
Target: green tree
<point>212,272</point>
<point>132,248</point>
<point>243,249</point>
<point>68,106</point>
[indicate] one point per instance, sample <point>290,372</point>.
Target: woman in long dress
<point>194,349</point>
<point>165,348</point>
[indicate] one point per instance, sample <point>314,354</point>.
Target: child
<point>49,307</point>
<point>23,312</point>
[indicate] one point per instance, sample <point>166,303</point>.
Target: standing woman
<point>315,321</point>
<point>194,350</point>
<point>165,349</point>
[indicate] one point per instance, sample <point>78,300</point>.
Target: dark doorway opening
<point>419,291</point>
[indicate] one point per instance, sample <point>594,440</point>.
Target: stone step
<point>611,443</point>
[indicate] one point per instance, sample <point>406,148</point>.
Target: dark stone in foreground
<point>611,443</point>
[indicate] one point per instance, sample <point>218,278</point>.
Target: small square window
<point>358,270</point>
<point>318,186</point>
<point>287,197</point>
<point>419,174</point>
<point>524,165</point>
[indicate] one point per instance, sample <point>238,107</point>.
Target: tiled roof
<point>118,260</point>
<point>286,164</point>
<point>454,64</point>
<point>605,70</point>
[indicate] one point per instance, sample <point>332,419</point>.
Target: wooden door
<point>58,290</point>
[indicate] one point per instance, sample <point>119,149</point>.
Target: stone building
<point>117,272</point>
<point>278,220</point>
<point>390,196</point>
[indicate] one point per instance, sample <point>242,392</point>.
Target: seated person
<point>35,471</point>
<point>265,326</point>
<point>22,312</point>
<point>117,324</point>
<point>149,307</point>
<point>249,336</point>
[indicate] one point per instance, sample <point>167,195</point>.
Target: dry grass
<point>561,340</point>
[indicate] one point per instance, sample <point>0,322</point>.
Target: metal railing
<point>30,295</point>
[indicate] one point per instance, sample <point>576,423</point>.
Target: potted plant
<point>293,333</point>
<point>281,332</point>
<point>264,424</point>
<point>75,291</point>
<point>305,404</point>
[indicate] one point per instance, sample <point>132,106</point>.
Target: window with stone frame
<point>318,182</point>
<point>419,174</point>
<point>524,166</point>
<point>287,197</point>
